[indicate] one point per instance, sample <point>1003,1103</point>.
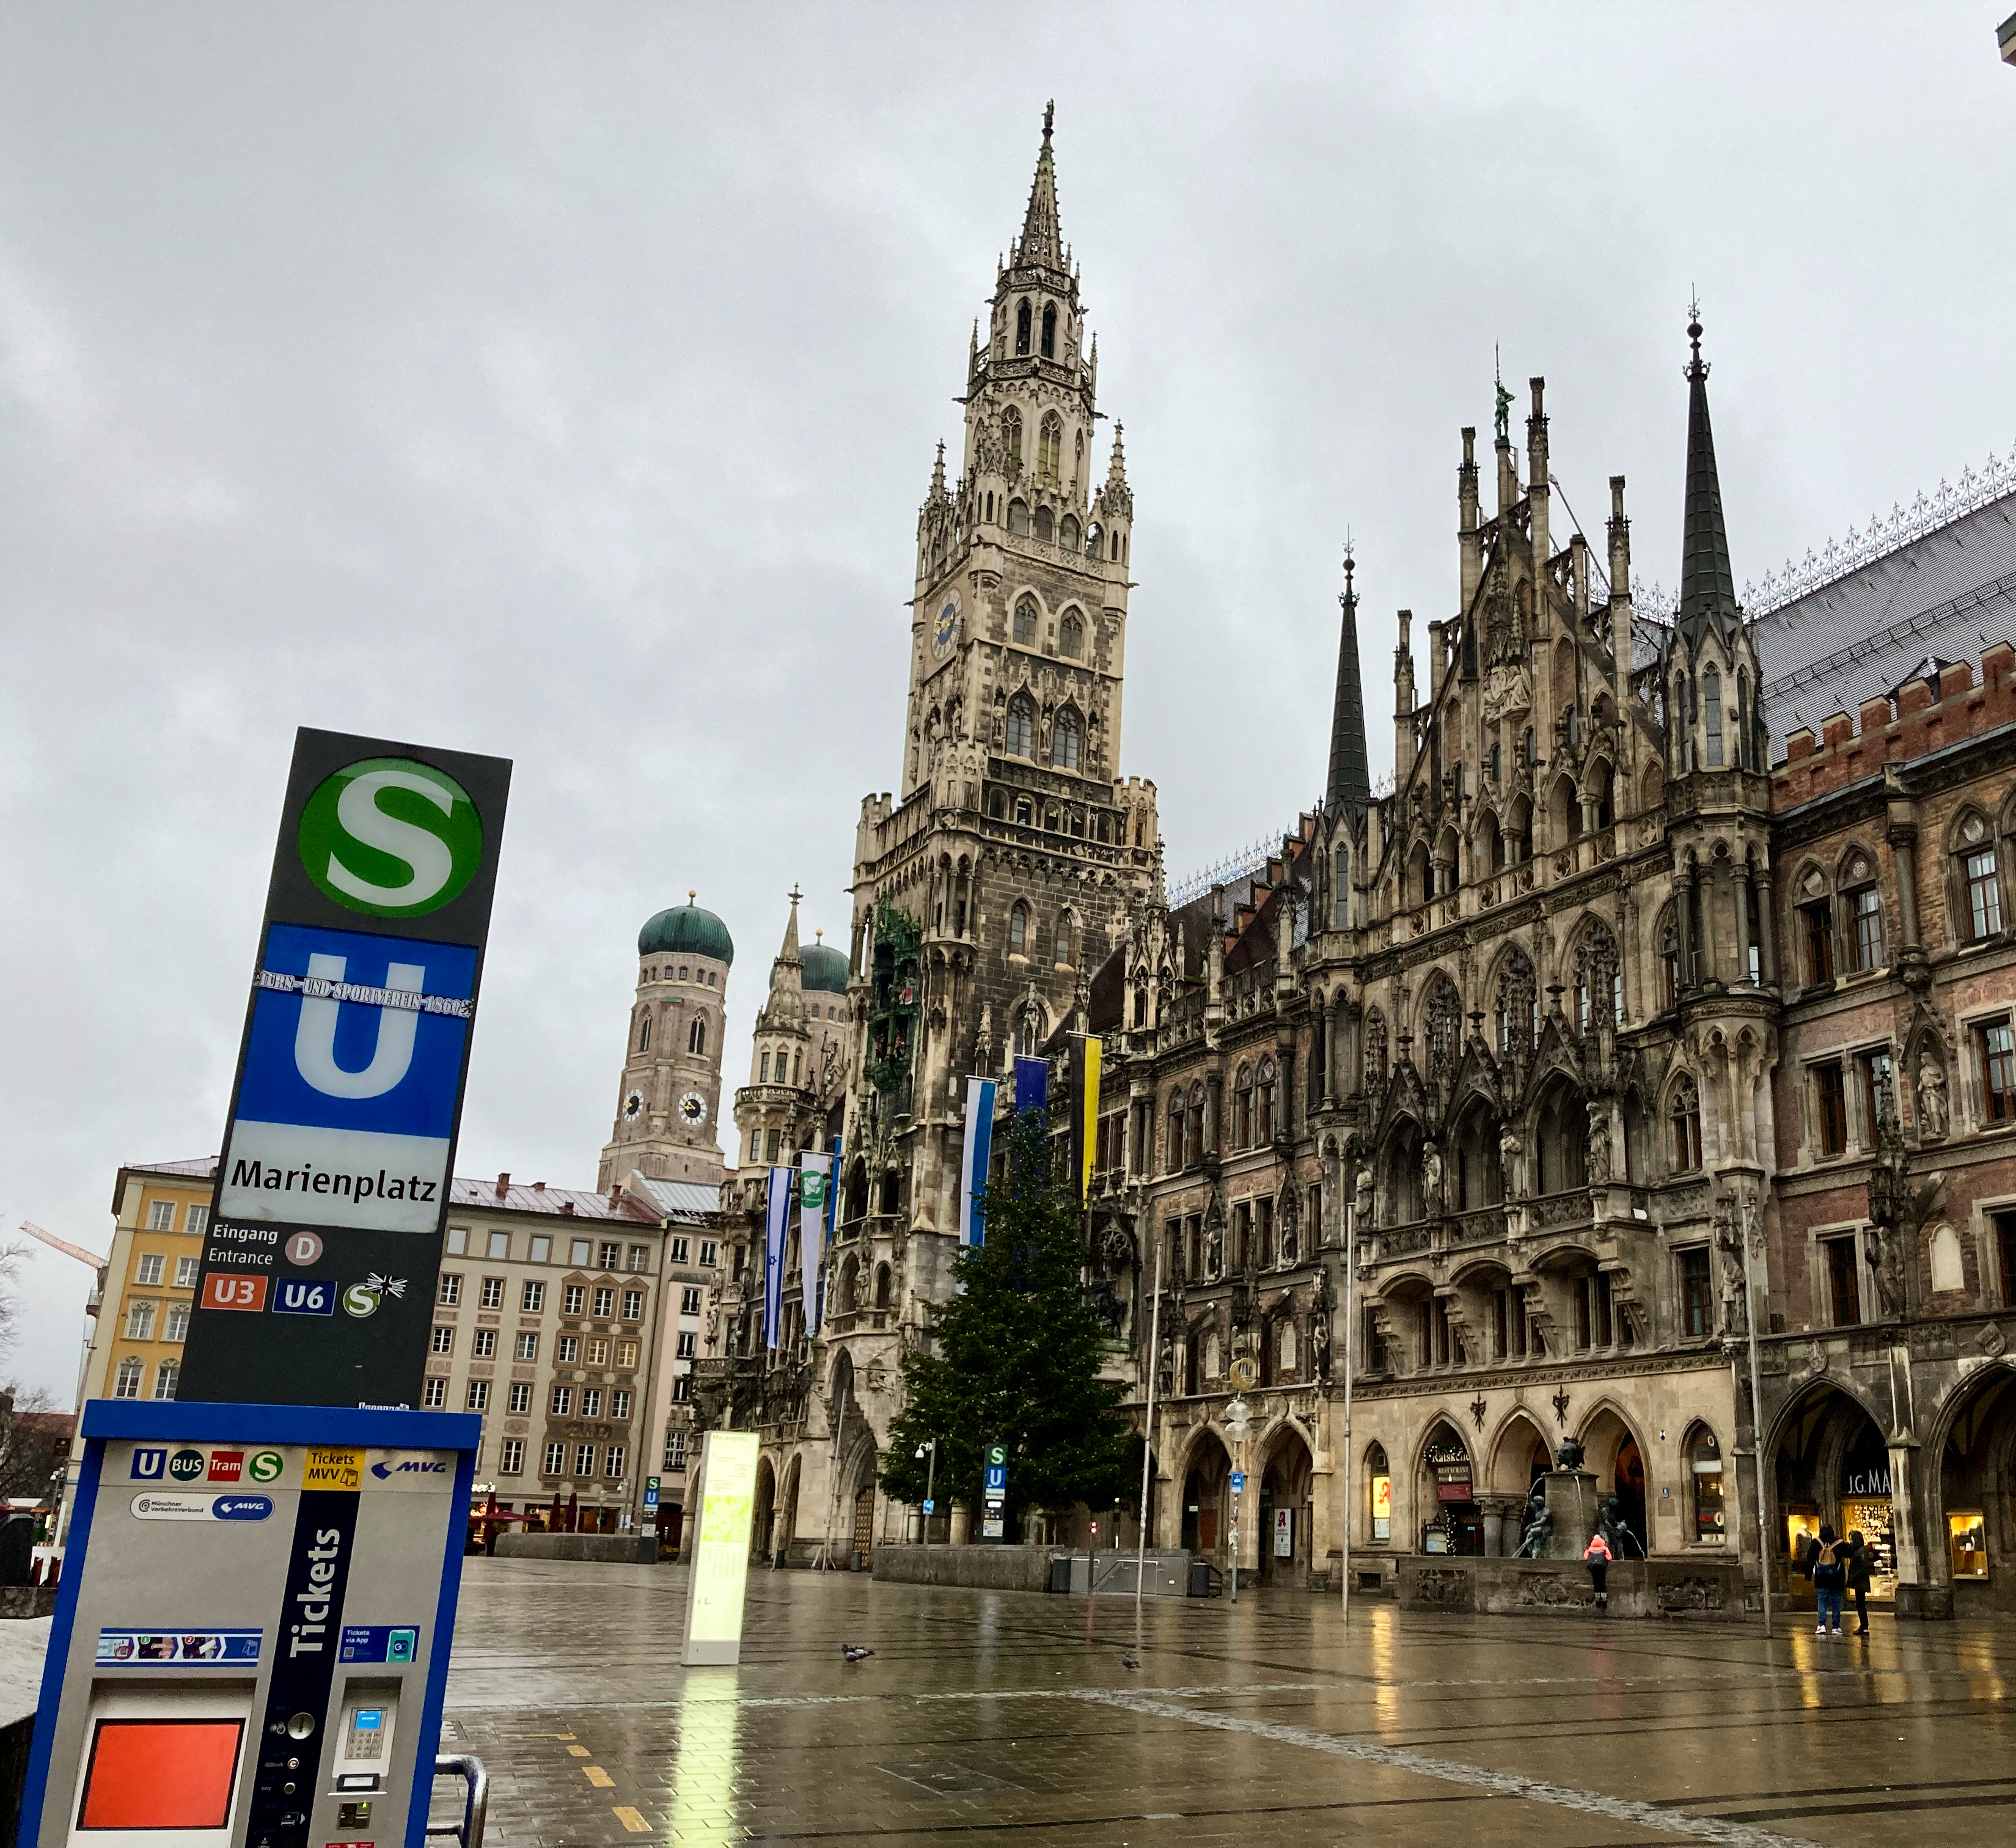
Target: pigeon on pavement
<point>1130,1660</point>
<point>852,1652</point>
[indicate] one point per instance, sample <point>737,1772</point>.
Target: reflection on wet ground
<point>1013,1716</point>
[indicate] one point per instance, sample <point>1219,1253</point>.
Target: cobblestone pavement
<point>1013,1717</point>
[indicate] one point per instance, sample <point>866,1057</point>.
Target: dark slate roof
<point>1945,597</point>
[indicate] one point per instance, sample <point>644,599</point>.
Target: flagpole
<point>1350,1333</point>
<point>1148,1440</point>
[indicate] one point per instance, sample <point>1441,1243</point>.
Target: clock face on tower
<point>693,1108</point>
<point>944,630</point>
<point>633,1107</point>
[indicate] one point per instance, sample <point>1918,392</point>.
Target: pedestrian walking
<point>1861,1564</point>
<point>1830,1573</point>
<point>1597,1554</point>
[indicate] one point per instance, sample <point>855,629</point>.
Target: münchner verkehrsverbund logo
<point>390,837</point>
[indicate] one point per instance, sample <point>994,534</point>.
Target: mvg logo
<point>148,1466</point>
<point>412,1466</point>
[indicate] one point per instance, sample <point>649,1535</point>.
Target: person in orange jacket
<point>1597,1553</point>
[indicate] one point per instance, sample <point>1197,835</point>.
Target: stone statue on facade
<point>1735,1283</point>
<point>1361,1201</point>
<point>1597,1154</point>
<point>1932,1115</point>
<point>1431,1179</point>
<point>1511,1160</point>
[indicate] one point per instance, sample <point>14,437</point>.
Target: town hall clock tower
<point>989,891</point>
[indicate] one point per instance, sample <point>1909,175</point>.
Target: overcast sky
<point>562,382</point>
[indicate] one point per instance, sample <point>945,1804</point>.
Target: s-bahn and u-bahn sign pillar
<point>317,1272</point>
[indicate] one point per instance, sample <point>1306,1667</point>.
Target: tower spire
<point>1708,584</point>
<point>1043,238</point>
<point>1350,778</point>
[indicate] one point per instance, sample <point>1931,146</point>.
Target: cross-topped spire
<point>1350,775</point>
<point>1708,584</point>
<point>1042,238</point>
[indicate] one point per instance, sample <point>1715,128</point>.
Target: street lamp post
<point>1350,1335</point>
<point>1238,1423</point>
<point>930,1445</point>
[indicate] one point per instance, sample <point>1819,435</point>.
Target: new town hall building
<point>1670,983</point>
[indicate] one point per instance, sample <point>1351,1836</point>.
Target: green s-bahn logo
<point>390,837</point>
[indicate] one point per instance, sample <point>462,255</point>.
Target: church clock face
<point>693,1109</point>
<point>944,629</point>
<point>633,1107</point>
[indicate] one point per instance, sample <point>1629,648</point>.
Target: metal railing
<point>475,1801</point>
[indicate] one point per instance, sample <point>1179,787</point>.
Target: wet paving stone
<point>1012,1718</point>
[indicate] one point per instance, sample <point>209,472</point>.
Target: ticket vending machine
<point>251,1641</point>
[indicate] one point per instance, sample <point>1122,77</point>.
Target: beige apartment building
<point>569,1322</point>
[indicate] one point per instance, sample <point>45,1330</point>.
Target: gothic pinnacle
<point>1043,238</point>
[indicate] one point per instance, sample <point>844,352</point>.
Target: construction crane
<point>64,1245</point>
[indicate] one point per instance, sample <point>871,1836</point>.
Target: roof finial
<point>1049,115</point>
<point>1697,367</point>
<point>1504,419</point>
<point>693,893</point>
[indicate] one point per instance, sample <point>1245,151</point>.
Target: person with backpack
<point>1830,1574</point>
<point>1861,1563</point>
<point>1597,1553</point>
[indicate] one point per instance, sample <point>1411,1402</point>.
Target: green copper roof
<point>689,928</point>
<point>824,969</point>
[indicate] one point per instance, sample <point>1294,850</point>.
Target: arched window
<point>1022,330</point>
<point>763,1067</point>
<point>1067,740</point>
<point>1065,923</point>
<point>1021,740</point>
<point>798,1067</point>
<point>1141,1007</point>
<point>1177,1132</point>
<point>166,1376</point>
<point>1050,330</point>
<point>131,1370</point>
<point>1018,927</point>
<point>1194,1134</point>
<point>696,1034</point>
<point>1744,754</point>
<point>1044,527</point>
<point>1711,702</point>
<point>1027,617</point>
<point>1067,533</point>
<point>1018,517</point>
<point>1518,1019</point>
<point>1341,897</point>
<point>1011,440</point>
<point>1977,880</point>
<point>881,1286</point>
<point>1242,1108</point>
<point>1049,448</point>
<point>1378,1478</point>
<point>1703,1456</point>
<point>1071,633</point>
<point>1265,1100</point>
<point>1686,1126</point>
<point>644,1034</point>
<point>1669,959</point>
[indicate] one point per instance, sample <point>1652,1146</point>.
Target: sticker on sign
<point>333,1468</point>
<point>153,1649</point>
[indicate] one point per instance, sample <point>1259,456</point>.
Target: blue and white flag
<point>815,1185</point>
<point>780,1203</point>
<point>1032,1085</point>
<point>974,1159</point>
